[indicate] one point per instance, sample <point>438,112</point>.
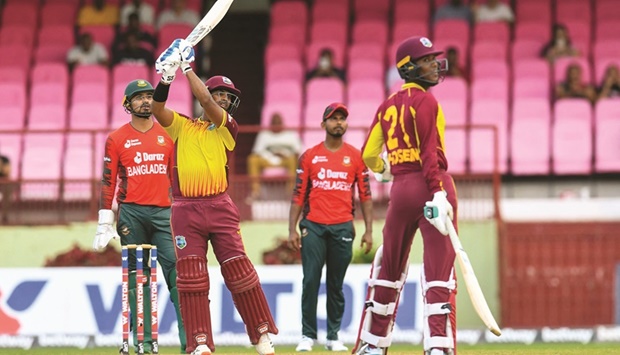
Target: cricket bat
<point>471,281</point>
<point>211,19</point>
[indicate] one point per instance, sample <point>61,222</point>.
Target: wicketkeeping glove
<point>105,230</point>
<point>386,175</point>
<point>440,210</point>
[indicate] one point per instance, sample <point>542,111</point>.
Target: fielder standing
<point>410,124</point>
<point>203,211</point>
<point>139,154</point>
<point>327,175</point>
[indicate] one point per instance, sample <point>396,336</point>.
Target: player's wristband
<point>161,92</point>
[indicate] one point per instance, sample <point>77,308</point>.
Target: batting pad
<point>243,283</point>
<point>193,287</point>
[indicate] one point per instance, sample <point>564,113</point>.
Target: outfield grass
<point>485,349</point>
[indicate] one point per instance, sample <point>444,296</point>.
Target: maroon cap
<point>333,107</point>
<point>222,83</point>
<point>414,48</point>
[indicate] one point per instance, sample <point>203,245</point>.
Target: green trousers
<point>149,225</point>
<point>332,246</point>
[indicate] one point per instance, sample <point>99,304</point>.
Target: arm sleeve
<point>301,182</point>
<point>371,151</point>
<point>425,120</point>
<point>363,182</point>
<point>110,170</point>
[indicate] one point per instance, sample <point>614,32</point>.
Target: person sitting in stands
<point>325,67</point>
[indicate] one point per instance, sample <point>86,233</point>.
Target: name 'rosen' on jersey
<point>404,155</point>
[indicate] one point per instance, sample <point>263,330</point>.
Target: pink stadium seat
<point>607,136</point>
<point>16,34</point>
<point>361,112</point>
<point>290,111</point>
<point>77,166</point>
<point>90,74</point>
<point>455,111</point>
<point>571,129</point>
<point>561,64</point>
<point>13,94</point>
<point>370,32</point>
<point>52,53</point>
<point>530,140</point>
<point>369,51</point>
<point>366,89</point>
<point>355,136</point>
<point>285,70</point>
<point>181,100</point>
<point>58,13</point>
<point>371,10</point>
<point>12,117</point>
<point>91,92</point>
<point>572,10</point>
<point>534,12</point>
<point>489,88</point>
<point>288,34</point>
<point>20,13</point>
<point>535,68</point>
<point>600,66</point>
<point>290,91</point>
<point>313,112</point>
<point>171,31</point>
<point>461,47</point>
<point>451,30</point>
<point>289,12</point>
<point>329,31</point>
<point>485,50</point>
<point>405,29</point>
<point>456,150</point>
<point>20,56</point>
<point>41,160</point>
<point>606,11</point>
<point>407,10</point>
<point>49,93</point>
<point>282,52</point>
<point>124,73</point>
<point>312,137</point>
<point>536,31</point>
<point>606,30</point>
<point>13,75</point>
<point>118,116</point>
<point>329,12</point>
<point>482,140</point>
<point>47,116</point>
<point>365,69</point>
<point>452,88</point>
<point>313,50</point>
<point>490,69</point>
<point>526,49</point>
<point>324,90</point>
<point>50,72</point>
<point>60,34</point>
<point>531,88</point>
<point>492,32</point>
<point>606,49</point>
<point>103,34</point>
<point>88,115</point>
<point>11,147</point>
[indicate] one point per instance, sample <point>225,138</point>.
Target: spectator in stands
<point>274,147</point>
<point>574,86</point>
<point>454,69</point>
<point>133,53</point>
<point>325,67</point>
<point>611,83</point>
<point>146,12</point>
<point>145,39</point>
<point>178,13</point>
<point>5,167</point>
<point>98,12</point>
<point>453,10</point>
<point>6,188</point>
<point>493,11</point>
<point>560,44</point>
<point>87,52</point>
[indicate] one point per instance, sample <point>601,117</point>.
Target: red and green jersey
<point>141,161</point>
<point>326,183</point>
<point>202,152</point>
<point>411,124</point>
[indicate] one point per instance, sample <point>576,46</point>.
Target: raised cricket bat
<point>471,281</point>
<point>211,19</point>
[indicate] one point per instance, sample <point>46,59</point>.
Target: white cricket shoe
<point>265,346</point>
<point>201,350</point>
<point>367,350</point>
<point>305,344</point>
<point>335,345</point>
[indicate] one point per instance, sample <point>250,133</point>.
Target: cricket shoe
<point>367,350</point>
<point>201,350</point>
<point>265,345</point>
<point>305,344</point>
<point>335,345</point>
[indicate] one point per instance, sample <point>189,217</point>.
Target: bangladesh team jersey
<point>326,183</point>
<point>141,160</point>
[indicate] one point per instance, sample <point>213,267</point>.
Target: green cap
<point>135,87</point>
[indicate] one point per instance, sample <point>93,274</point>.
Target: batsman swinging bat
<point>471,281</point>
<point>211,19</point>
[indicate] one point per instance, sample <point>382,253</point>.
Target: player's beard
<point>337,133</point>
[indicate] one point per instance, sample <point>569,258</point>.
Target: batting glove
<point>186,50</point>
<point>105,230</point>
<point>386,175</point>
<point>168,58</point>
<point>185,67</point>
<point>441,210</point>
<point>168,73</point>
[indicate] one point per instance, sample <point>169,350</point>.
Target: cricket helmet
<point>220,82</point>
<point>412,49</point>
<point>134,88</point>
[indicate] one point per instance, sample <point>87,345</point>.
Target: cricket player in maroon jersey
<point>139,155</point>
<point>203,211</point>
<point>410,125</point>
<point>327,175</point>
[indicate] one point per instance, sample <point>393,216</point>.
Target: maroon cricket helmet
<point>222,83</point>
<point>414,48</point>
